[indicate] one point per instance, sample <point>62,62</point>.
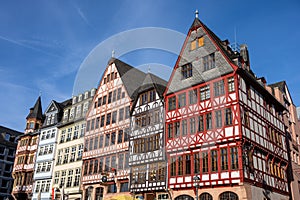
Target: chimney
<point>245,55</point>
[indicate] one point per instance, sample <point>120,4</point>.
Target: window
<point>91,166</point>
<point>181,100</point>
<point>170,130</point>
<point>173,166</point>
<point>121,114</point>
<point>104,100</point>
<point>204,162</point>
<point>127,112</point>
<point>231,84</point>
<point>119,93</point>
<point>91,144</point>
<point>112,188</point>
<point>196,163</point>
<point>82,130</point>
<point>193,45</point>
<point>209,61</point>
<point>187,71</point>
<point>228,116</point>
<point>180,165</point>
<point>200,41</point>
<point>234,158</point>
<point>108,118</point>
<point>229,196</point>
<point>114,117</point>
<point>200,123</point>
<point>109,97</point>
<point>96,142</point>
<point>177,129</point>
<point>107,164</point>
<point>121,161</point>
<point>124,187</point>
<point>113,138</point>
<point>107,137</point>
<point>80,150</point>
<point>205,196</point>
<point>204,93</point>
<point>184,127</point>
<point>214,160</point>
<point>77,177</point>
<point>97,122</point>
<point>172,103</point>
<point>120,136</point>
<point>193,97</point>
<point>219,88</point>
<point>192,125</point>
<point>114,98</point>
<point>224,159</point>
<point>218,117</point>
<point>208,121</point>
<point>187,164</point>
<point>62,136</point>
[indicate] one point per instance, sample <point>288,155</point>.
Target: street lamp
<point>196,180</point>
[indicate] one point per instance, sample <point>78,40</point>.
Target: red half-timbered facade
<point>105,157</point>
<point>222,125</point>
<point>26,154</point>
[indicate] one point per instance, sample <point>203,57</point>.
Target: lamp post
<point>196,180</point>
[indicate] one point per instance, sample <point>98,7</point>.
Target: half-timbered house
<point>26,153</point>
<point>147,154</point>
<point>106,141</point>
<point>223,128</point>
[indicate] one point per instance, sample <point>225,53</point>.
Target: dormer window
<point>74,100</point>
<point>187,71</point>
<point>80,98</point>
<point>86,95</point>
<point>7,136</point>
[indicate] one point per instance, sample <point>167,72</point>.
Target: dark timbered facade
<point>105,157</point>
<point>147,153</point>
<point>222,125</point>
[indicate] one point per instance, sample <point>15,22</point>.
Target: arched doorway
<point>228,196</point>
<point>205,196</point>
<point>184,197</point>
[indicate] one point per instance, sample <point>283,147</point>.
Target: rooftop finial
<point>149,69</point>
<point>40,93</point>
<point>113,53</point>
<point>196,13</point>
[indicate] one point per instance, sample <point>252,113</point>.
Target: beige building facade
<point>68,157</point>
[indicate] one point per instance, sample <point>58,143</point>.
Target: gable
<point>200,43</point>
<point>51,108</point>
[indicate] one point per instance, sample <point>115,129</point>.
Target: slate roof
<point>36,110</point>
<point>212,44</point>
<point>281,85</point>
<point>131,77</point>
<point>153,81</point>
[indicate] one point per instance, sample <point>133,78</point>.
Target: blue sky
<point>43,43</point>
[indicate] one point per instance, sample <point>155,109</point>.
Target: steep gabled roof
<point>151,81</point>
<point>212,44</point>
<point>131,77</point>
<point>36,110</point>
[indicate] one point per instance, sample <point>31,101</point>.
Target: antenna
<point>113,53</point>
